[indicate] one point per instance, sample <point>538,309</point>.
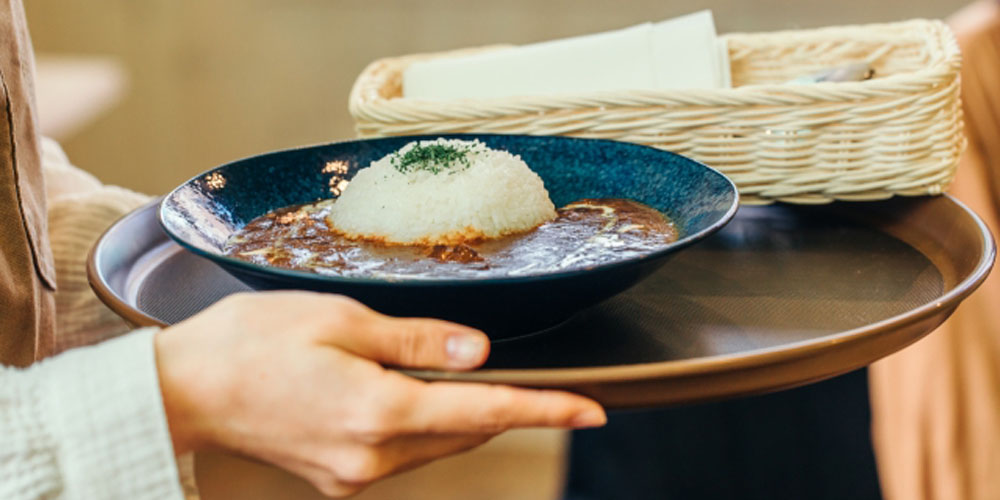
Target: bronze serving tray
<point>782,296</point>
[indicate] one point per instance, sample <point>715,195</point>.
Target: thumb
<point>420,343</point>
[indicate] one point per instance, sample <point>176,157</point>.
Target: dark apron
<point>812,443</point>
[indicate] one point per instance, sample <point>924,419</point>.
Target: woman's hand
<point>294,378</point>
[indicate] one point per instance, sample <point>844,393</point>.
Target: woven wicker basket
<point>899,133</point>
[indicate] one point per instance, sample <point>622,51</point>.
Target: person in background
<point>294,379</point>
<point>936,404</point>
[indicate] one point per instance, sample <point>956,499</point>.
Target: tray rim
<point>576,376</point>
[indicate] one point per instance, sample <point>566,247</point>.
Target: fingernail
<point>589,418</point>
<point>465,349</point>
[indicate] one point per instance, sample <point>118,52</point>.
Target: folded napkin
<point>683,52</point>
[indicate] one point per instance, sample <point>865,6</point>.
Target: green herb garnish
<point>434,158</point>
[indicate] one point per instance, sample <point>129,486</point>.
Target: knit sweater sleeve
<point>88,423</point>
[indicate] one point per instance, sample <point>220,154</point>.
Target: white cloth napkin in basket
<point>683,52</point>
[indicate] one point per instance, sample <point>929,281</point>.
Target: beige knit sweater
<point>88,423</point>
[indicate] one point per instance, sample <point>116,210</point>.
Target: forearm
<point>87,424</point>
<point>75,223</point>
<point>80,208</point>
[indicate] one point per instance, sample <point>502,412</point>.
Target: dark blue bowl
<point>202,213</point>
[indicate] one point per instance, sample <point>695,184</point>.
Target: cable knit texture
<point>87,424</point>
<point>75,224</point>
<point>80,209</point>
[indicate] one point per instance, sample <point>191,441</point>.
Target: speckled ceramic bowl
<point>202,213</point>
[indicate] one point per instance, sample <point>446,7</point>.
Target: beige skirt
<point>936,404</point>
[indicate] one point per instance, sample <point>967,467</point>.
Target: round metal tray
<point>782,296</point>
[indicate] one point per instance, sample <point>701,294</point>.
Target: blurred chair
<point>936,405</point>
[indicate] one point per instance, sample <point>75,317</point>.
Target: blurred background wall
<point>214,80</point>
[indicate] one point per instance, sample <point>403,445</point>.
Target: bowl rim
<point>316,278</point>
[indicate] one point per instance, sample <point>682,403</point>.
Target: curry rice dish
<point>450,209</point>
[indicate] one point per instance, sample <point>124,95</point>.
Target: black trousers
<point>813,442</point>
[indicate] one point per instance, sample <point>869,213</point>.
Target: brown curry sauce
<point>585,234</point>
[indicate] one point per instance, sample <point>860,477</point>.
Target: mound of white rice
<point>442,192</point>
